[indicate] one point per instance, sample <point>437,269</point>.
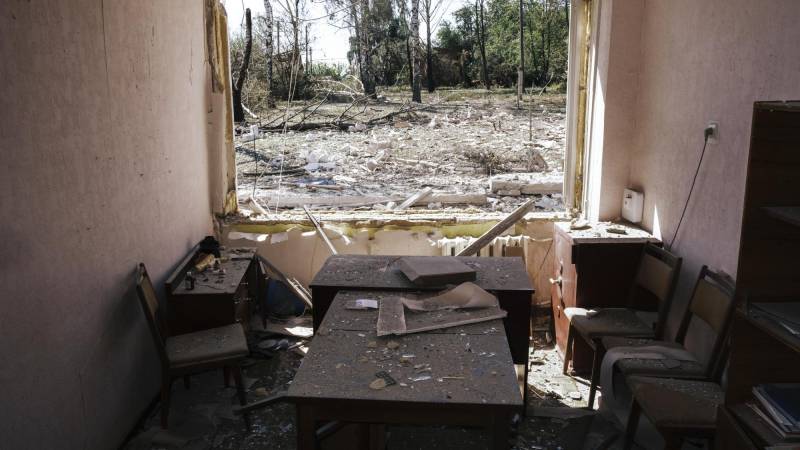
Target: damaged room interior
<point>400,224</point>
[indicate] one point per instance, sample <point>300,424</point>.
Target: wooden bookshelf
<point>761,350</point>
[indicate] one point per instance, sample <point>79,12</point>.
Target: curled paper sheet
<point>465,295</point>
<point>463,305</point>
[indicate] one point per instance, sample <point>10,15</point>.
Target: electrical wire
<point>691,189</point>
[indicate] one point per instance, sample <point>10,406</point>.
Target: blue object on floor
<point>281,301</point>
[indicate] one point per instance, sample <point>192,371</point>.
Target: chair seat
<point>610,342</point>
<point>661,367</point>
<point>228,342</point>
<point>608,322</point>
<point>671,403</point>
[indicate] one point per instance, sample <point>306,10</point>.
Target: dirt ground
<point>451,143</point>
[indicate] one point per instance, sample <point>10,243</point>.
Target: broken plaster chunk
<point>528,182</point>
<point>372,344</point>
<point>392,345</point>
<point>378,384</point>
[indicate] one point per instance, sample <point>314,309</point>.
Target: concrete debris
<point>252,135</point>
<point>527,183</point>
<point>475,152</point>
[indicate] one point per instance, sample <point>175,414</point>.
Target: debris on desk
<point>465,304</point>
<point>378,384</point>
<point>204,261</point>
<point>361,304</point>
<point>426,271</point>
<point>422,377</point>
<point>386,377</point>
<point>616,230</point>
<point>465,295</point>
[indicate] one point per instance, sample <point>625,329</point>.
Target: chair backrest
<point>149,302</point>
<point>655,282</point>
<point>712,304</point>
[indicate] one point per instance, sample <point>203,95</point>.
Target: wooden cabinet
<point>217,299</point>
<point>593,268</point>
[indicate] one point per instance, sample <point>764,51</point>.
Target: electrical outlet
<point>712,131</point>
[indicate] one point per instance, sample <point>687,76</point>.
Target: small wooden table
<point>217,299</point>
<point>472,378</point>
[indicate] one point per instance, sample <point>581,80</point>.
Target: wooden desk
<point>215,300</point>
<point>473,382</point>
<point>504,277</point>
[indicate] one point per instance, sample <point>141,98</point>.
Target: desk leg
<point>377,436</point>
<point>499,432</point>
<point>525,390</point>
<point>306,428</point>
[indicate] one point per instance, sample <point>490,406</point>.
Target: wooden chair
<point>677,408</point>
<point>712,303</point>
<point>185,354</point>
<point>685,406</point>
<point>655,282</point>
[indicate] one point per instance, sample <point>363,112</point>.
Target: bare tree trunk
<point>481,27</point>
<point>416,95</point>
<point>428,47</point>
<point>542,52</point>
<point>296,33</point>
<point>308,64</point>
<point>531,31</point>
<point>268,50</point>
<point>521,67</point>
<point>366,30</point>
<point>238,111</point>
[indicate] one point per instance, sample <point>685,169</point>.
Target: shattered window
<point>384,128</point>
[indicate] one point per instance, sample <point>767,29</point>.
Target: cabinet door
<point>563,287</point>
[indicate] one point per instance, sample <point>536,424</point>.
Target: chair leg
<point>568,350</point>
<point>632,425</point>
<point>237,378</point>
<point>186,382</point>
<point>166,387</point>
<point>226,372</point>
<point>597,361</point>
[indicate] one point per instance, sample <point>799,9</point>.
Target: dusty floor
<point>201,417</point>
<point>452,146</point>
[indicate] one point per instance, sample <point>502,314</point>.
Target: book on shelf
<point>779,405</point>
<point>780,434</point>
<point>785,314</point>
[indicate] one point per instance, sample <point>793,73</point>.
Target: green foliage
<point>456,53</point>
<point>546,30</point>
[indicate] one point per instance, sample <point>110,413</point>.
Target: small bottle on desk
<point>188,281</point>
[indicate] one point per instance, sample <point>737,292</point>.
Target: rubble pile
<point>471,154</point>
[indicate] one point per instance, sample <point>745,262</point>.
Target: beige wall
<point>700,61</point>
<point>103,163</point>
<point>611,103</point>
